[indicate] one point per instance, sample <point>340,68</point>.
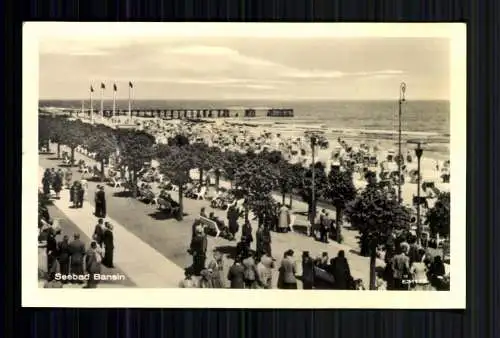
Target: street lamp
<point>418,152</point>
<point>314,140</point>
<point>402,91</point>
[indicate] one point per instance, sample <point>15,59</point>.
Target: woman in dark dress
<point>307,271</point>
<point>108,246</point>
<point>57,184</point>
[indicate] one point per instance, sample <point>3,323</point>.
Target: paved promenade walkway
<point>146,267</point>
<point>171,238</point>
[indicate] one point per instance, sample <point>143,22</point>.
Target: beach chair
<point>116,182</point>
<point>85,170</point>
<point>201,193</point>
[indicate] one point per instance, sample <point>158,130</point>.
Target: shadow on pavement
<point>228,250</point>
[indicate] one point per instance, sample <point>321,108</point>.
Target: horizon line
<point>247,99</point>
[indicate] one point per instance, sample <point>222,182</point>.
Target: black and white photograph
<point>278,165</point>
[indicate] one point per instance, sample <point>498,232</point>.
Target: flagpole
<point>102,101</point>
<point>114,100</point>
<point>91,108</point>
<point>129,104</point>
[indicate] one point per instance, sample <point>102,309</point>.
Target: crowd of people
<point>72,261</point>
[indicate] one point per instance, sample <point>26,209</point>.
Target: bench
<point>212,225</point>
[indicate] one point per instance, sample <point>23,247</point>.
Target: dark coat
<point>236,276</point>
<point>98,235</point>
<point>341,273</point>
<point>108,239</point>
<point>77,251</point>
<point>246,234</point>
<point>199,245</point>
<point>308,270</point>
<point>63,252</point>
<point>100,197</point>
<point>57,183</point>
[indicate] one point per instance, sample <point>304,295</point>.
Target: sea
<point>417,116</point>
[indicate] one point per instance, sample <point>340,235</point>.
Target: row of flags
<point>115,88</point>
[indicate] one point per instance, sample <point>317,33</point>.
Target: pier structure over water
<point>182,113</point>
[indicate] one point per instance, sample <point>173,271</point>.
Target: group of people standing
<point>54,180</point>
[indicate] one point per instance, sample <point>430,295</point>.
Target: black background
<point>479,320</point>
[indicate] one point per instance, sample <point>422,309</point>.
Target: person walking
<point>77,251</point>
<point>284,218</point>
<point>307,271</point>
<point>63,257</point>
<point>216,265</point>
<point>287,272</point>
<point>418,271</point>
<point>341,272</point>
<point>236,274</point>
<point>57,184</point>
<point>250,272</point>
<point>265,272</point>
<point>98,235</point>
<point>100,202</point>
<point>93,265</point>
<point>80,192</point>
<point>198,250</point>
<point>401,268</point>
<point>109,245</point>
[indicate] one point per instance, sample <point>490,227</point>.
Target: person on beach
<point>109,246</point>
<point>100,202</point>
<point>98,234</point>
<point>63,256</point>
<point>93,265</point>
<point>77,251</point>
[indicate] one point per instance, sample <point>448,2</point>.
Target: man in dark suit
<point>100,202</point>
<point>109,245</point>
<point>76,251</point>
<point>325,227</point>
<point>98,235</point>
<point>63,256</point>
<point>199,250</point>
<point>236,274</point>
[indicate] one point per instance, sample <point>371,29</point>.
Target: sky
<point>222,68</point>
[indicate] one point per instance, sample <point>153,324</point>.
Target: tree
<point>376,214</point>
<point>202,157</point>
<point>102,141</point>
<point>73,134</point>
<point>136,148</point>
<point>175,163</point>
<point>295,174</point>
<point>320,184</point>
<point>44,132</point>
<point>255,181</point>
<point>56,132</point>
<point>178,140</point>
<point>232,162</point>
<point>340,191</point>
<point>438,217</point>
<point>218,163</point>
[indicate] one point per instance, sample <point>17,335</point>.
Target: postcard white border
<point>33,296</point>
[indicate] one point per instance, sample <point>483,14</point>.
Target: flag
<point>130,85</point>
<point>91,89</point>
<point>114,87</point>
<point>103,86</point>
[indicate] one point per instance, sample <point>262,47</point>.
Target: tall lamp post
<point>418,152</point>
<point>313,192</point>
<point>402,91</point>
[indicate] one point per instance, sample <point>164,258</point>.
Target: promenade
<point>151,249</point>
